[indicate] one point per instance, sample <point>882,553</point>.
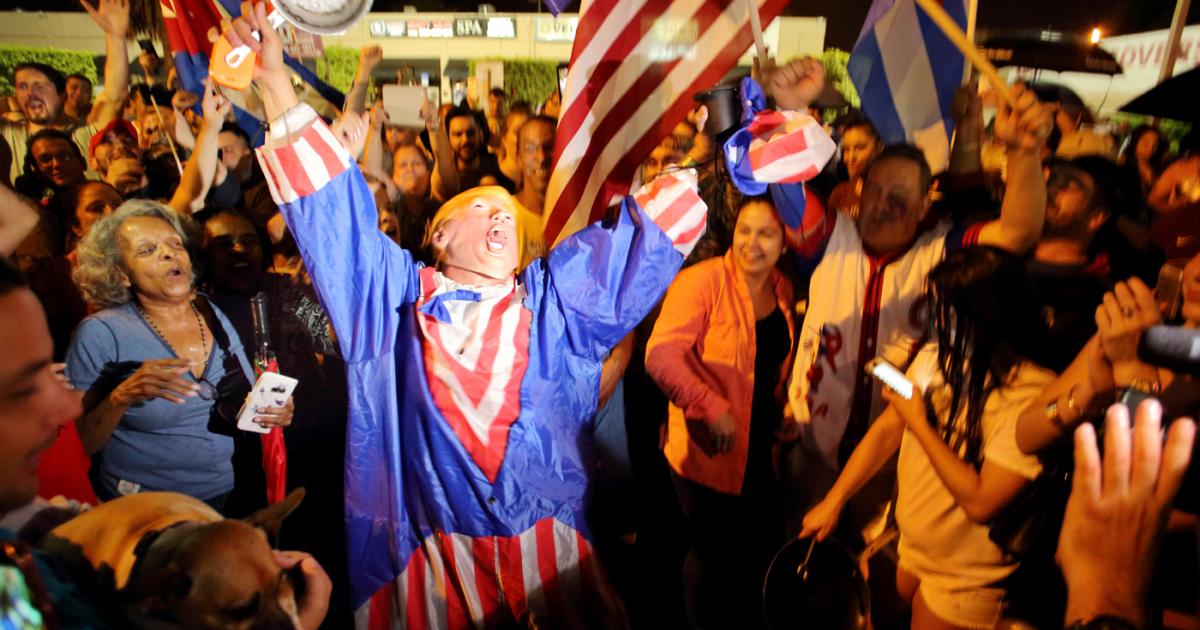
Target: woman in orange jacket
<point>720,351</point>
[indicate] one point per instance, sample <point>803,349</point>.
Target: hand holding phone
<point>891,376</point>
<point>271,390</point>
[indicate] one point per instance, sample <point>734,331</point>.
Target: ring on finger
<point>1127,311</point>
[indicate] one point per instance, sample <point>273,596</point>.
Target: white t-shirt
<point>938,542</point>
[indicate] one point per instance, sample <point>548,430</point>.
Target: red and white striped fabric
<point>475,363</point>
<point>788,147</point>
<point>545,575</point>
<point>673,203</point>
<point>304,165</point>
<point>634,67</point>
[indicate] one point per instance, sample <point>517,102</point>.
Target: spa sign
<point>446,28</point>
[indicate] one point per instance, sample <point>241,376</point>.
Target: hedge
<point>66,61</point>
<point>835,60</point>
<point>533,79</point>
<point>338,66</point>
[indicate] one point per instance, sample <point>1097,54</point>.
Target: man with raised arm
<point>866,290</point>
<point>472,383</point>
<point>41,91</point>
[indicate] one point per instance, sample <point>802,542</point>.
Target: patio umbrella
<point>1174,98</point>
<point>1049,50</point>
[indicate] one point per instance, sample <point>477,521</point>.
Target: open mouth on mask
<point>497,240</point>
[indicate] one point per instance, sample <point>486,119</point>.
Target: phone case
<point>271,390</point>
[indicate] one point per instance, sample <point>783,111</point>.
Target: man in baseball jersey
<point>866,292</point>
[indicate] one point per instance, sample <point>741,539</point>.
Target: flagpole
<point>756,30</point>
<point>959,39</point>
<point>972,12</point>
<point>1177,22</point>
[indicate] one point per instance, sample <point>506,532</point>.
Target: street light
<point>1096,35</point>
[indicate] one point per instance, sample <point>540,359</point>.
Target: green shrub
<point>338,66</point>
<point>835,60</point>
<point>533,79</point>
<point>1172,130</point>
<point>65,61</point>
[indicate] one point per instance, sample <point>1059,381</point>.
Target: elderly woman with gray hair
<point>162,370</point>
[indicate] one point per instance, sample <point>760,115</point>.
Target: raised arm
<point>371,162</point>
<point>444,181</point>
<point>361,276</point>
<point>201,167</point>
<point>1024,130</point>
<point>608,276</point>
<point>967,110</point>
<point>112,16</point>
<point>356,96</point>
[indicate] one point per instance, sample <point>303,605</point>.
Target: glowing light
<point>1096,36</point>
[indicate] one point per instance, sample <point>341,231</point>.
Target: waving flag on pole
<point>906,71</point>
<point>187,23</point>
<point>634,67</point>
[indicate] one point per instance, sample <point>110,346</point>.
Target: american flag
<point>634,67</point>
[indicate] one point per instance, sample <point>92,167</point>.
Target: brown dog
<point>166,560</point>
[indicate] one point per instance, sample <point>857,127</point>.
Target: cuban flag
<point>906,71</point>
<point>187,23</point>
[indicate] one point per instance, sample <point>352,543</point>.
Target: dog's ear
<point>159,590</point>
<point>271,517</point>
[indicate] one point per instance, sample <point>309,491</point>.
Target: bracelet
<point>1151,387</point>
<point>1054,417</point>
<point>1071,403</point>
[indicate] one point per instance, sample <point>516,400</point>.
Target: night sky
<point>845,17</point>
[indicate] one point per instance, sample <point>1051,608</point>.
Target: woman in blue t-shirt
<point>162,370</point>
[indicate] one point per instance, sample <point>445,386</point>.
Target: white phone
<point>403,104</point>
<point>271,390</point>
<point>891,376</point>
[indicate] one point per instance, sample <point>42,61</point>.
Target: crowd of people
<point>642,414</point>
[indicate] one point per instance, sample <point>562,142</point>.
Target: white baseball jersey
<point>860,307</point>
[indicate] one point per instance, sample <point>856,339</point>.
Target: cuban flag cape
<point>906,71</point>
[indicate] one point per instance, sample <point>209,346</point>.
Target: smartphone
<point>403,105</point>
<point>270,390</point>
<point>562,78</point>
<point>890,375</point>
<point>1168,291</point>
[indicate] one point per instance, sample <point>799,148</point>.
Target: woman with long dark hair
<point>959,464</point>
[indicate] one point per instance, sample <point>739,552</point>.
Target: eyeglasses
<point>207,390</point>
